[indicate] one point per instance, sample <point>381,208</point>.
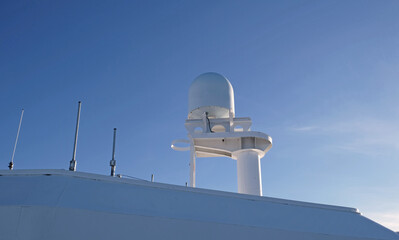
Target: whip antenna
<point>11,164</point>
<point>72,163</point>
<point>112,163</point>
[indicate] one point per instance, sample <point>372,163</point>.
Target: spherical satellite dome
<point>212,93</point>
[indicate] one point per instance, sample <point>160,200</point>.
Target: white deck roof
<point>83,205</point>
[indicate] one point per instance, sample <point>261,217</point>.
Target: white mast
<point>213,131</point>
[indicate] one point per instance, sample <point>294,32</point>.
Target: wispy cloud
<point>356,135</point>
<point>387,219</point>
<point>304,129</point>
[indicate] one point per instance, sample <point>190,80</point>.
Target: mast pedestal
<point>249,173</point>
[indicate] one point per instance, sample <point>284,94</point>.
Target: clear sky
<point>320,77</point>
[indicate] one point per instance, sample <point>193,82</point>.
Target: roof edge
<point>93,176</point>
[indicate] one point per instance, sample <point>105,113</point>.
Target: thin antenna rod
<point>72,163</point>
<point>11,164</point>
<point>112,163</point>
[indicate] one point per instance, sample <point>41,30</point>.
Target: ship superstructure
<point>61,204</point>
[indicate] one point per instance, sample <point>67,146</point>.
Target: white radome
<point>212,93</point>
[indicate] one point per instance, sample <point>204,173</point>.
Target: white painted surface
<point>58,204</point>
<point>249,178</point>
<point>212,93</point>
<point>213,131</point>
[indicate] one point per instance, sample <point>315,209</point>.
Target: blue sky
<point>320,77</point>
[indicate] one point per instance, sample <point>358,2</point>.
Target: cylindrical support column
<point>192,167</point>
<point>249,176</point>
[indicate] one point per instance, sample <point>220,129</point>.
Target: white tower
<point>214,131</point>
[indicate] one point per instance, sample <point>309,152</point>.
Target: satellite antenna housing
<point>214,131</point>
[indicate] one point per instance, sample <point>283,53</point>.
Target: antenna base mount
<point>11,165</point>
<point>72,165</point>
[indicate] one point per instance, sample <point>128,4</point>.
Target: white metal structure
<point>213,131</point>
<point>64,205</point>
<point>212,93</point>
